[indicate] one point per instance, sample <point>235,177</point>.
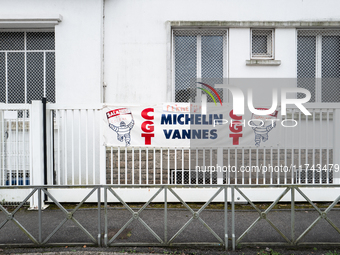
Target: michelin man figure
<point>261,131</point>
<point>123,131</point>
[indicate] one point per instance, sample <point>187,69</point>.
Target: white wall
<point>136,37</point>
<point>136,40</point>
<point>78,44</point>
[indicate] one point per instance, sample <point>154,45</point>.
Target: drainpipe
<point>102,80</point>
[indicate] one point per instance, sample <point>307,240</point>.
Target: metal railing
<point>232,231</point>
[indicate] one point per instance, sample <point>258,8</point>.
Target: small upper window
<point>262,44</point>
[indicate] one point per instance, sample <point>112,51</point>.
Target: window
<point>27,66</point>
<point>318,56</point>
<point>262,44</point>
<point>198,55</point>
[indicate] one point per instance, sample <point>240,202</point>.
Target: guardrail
<point>100,236</point>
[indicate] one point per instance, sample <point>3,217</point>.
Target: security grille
<point>262,43</point>
<point>199,55</point>
<point>27,66</point>
<point>318,66</point>
<point>312,176</point>
<point>193,177</point>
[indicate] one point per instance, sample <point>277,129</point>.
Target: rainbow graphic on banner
<point>208,92</point>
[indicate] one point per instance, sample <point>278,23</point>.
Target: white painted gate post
<point>37,150</point>
<point>220,164</point>
<point>336,144</point>
<point>102,152</point>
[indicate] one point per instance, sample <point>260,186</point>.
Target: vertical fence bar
<point>285,160</point>
<point>292,226</point>
<point>126,162</point>
<point>257,163</point>
<point>9,149</point>
<point>299,160</point>
<point>292,169</point>
<point>72,145</point>
<point>189,151</point>
<point>147,165</point>
<point>320,146</point>
<point>264,163</point>
<point>166,215</point>
<point>39,214</point>
<point>236,166</point>
<point>111,156</point>
<point>327,146</point>
<point>204,166</point>
<point>24,148</point>
<point>271,163</point>
<point>175,177</point>
<point>58,147</point>
<point>226,217</point>
<point>336,142</point>
<point>182,165</point>
<point>133,166</point>
<point>306,151</point>
<point>196,165</point>
<point>313,137</point>
<point>17,149</point>
<point>154,165</point>
<point>118,165</point>
<point>65,146</point>
<point>242,150</point>
<point>93,147</point>
<point>278,164</point>
<point>233,240</point>
<point>105,216</point>
<point>79,148</point>
<point>87,146</point>
<point>140,165</point>
<point>228,172</point>
<point>211,177</point>
<point>250,172</point>
<point>168,165</point>
<point>99,215</point>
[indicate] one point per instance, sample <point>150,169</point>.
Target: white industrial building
<point>85,55</point>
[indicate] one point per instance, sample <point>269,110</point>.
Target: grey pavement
<point>10,233</point>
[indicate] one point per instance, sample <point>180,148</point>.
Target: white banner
<point>183,125</point>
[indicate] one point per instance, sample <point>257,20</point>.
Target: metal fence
<point>305,155</point>
<point>230,232</point>
<point>15,143</point>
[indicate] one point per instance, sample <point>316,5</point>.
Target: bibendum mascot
<point>261,130</point>
<point>123,131</point>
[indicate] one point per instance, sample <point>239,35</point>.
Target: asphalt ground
<point>195,232</point>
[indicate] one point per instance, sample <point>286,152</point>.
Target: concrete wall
<point>137,37</point>
<point>78,44</point>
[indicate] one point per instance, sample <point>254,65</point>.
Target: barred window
<point>27,66</point>
<point>198,55</point>
<point>262,43</point>
<point>318,64</point>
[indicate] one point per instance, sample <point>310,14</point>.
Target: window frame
<point>199,59</point>
<point>267,56</point>
<point>318,33</point>
<point>25,51</point>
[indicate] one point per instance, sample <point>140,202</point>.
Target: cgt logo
<point>148,125</point>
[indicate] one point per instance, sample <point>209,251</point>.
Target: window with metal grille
<point>262,44</point>
<point>318,64</point>
<point>198,55</point>
<point>27,66</point>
